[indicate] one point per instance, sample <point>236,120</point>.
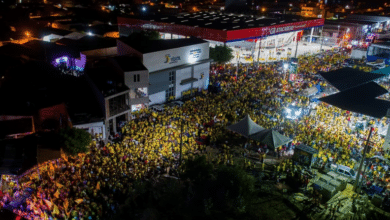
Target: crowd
<point>92,185</point>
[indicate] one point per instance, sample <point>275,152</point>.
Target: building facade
<point>173,68</point>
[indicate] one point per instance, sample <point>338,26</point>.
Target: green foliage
<point>144,36</point>
<point>75,140</point>
<point>221,54</point>
<point>198,170</point>
<point>202,192</point>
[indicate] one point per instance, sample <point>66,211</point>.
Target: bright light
<point>90,33</point>
<point>288,111</point>
<point>285,65</point>
<point>27,33</point>
<point>143,8</point>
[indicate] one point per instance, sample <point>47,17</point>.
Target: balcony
<point>118,109</point>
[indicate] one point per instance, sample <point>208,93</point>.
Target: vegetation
<point>74,140</point>
<point>144,36</point>
<point>204,191</point>
<point>221,54</point>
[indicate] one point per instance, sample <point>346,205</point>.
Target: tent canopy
<point>347,78</point>
<point>361,99</point>
<point>385,71</point>
<point>271,138</point>
<point>246,127</point>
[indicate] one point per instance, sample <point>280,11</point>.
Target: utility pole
<point>181,138</point>
<point>258,54</point>
<point>322,38</point>
<point>356,185</point>
<point>296,47</point>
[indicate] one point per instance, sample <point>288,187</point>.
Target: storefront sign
<point>195,53</point>
<point>275,30</point>
<point>170,59</point>
<point>151,26</point>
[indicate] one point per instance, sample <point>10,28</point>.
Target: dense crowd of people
<point>94,184</point>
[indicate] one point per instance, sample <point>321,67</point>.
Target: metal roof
<point>218,23</point>
<point>159,45</point>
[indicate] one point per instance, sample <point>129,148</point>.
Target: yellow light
<point>28,34</point>
<point>194,8</point>
<point>263,9</point>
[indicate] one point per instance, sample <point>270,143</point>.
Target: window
<point>172,77</point>
<point>136,77</point>
<point>169,93</point>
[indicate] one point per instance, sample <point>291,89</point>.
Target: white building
<point>175,66</point>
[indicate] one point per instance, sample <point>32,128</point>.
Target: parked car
<point>158,108</point>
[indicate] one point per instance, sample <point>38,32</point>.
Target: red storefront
<point>216,34</point>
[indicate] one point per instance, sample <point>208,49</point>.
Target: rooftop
<point>101,29</point>
<point>88,43</point>
<point>127,63</point>
<point>159,45</point>
<point>106,81</point>
<point>38,50</point>
<point>47,31</point>
<point>222,21</point>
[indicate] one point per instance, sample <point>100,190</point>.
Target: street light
<point>285,67</point>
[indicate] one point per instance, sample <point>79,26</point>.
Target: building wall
<point>200,69</point>
<point>175,57</point>
<point>144,79</point>
<point>158,82</point>
<point>93,128</point>
<point>182,74</point>
<point>124,49</point>
<point>157,98</point>
<point>50,37</point>
<point>111,51</point>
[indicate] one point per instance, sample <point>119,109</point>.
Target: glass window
<point>135,78</point>
<point>138,76</point>
<point>352,172</point>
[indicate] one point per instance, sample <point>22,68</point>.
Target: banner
<point>386,145</point>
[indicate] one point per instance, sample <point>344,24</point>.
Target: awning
<point>189,80</point>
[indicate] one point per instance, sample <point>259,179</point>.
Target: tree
<point>221,54</point>
<point>74,140</point>
<point>144,36</point>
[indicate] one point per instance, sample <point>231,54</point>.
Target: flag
<point>98,186</point>
<point>51,167</point>
<point>63,156</point>
<point>78,201</point>
<point>66,205</point>
<point>57,194</point>
<point>48,203</point>
<point>59,185</point>
<point>55,210</point>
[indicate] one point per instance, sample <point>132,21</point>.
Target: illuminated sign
<point>62,60</point>
<point>284,29</point>
<point>151,26</point>
<point>195,53</point>
<point>170,59</point>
